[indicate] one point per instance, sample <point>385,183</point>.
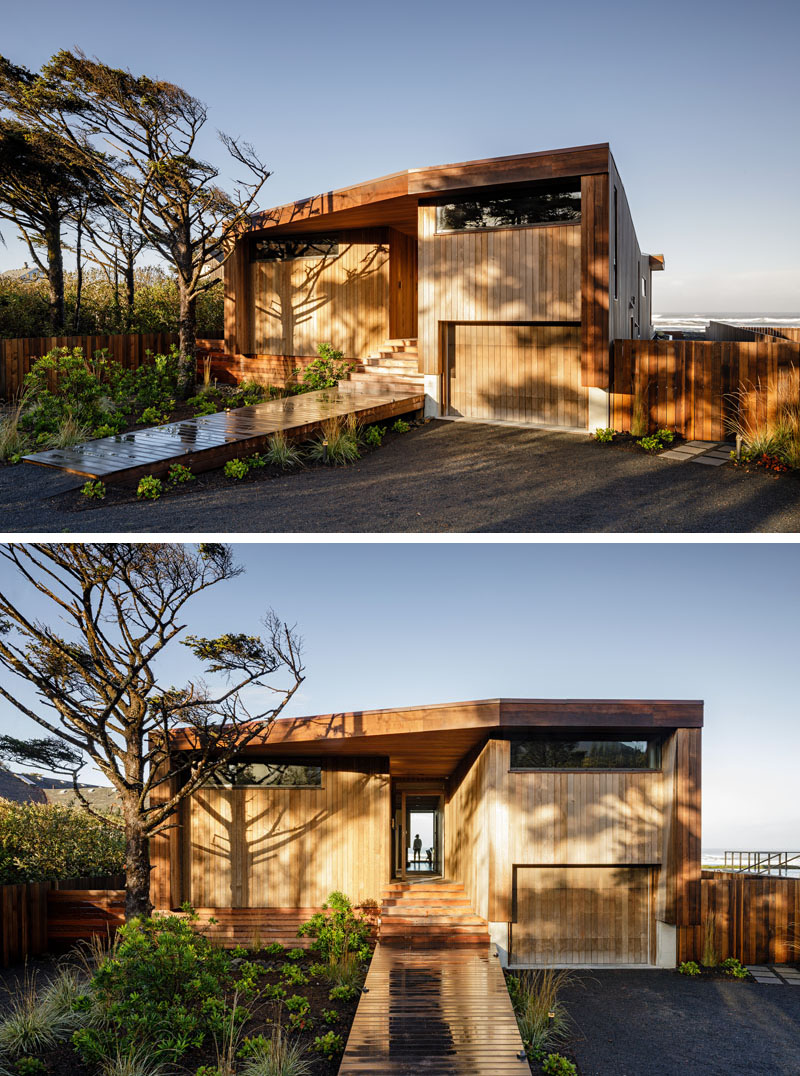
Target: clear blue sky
<point>402,624</point>
<point>698,100</point>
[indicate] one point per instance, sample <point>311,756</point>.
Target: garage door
<point>517,373</point>
<point>581,915</point>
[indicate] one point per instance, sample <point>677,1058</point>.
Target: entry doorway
<point>417,833</point>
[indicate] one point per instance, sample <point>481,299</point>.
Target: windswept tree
<point>44,184</point>
<point>96,663</point>
<point>149,131</point>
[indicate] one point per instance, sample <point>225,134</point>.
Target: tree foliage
<point>46,842</point>
<point>115,609</point>
<point>147,130</point>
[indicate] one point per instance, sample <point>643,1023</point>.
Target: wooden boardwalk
<point>442,1012</point>
<point>210,440</point>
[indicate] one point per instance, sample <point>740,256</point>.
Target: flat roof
<point>432,740</point>
<point>392,201</point>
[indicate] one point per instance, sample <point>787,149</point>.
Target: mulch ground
<point>441,477</point>
<point>660,1023</point>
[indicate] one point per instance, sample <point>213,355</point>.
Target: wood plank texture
<point>285,847</point>
<point>445,1012</point>
<point>342,298</point>
<point>517,373</point>
<point>701,388</point>
<point>208,441</point>
<point>755,919</point>
<point>581,915</point>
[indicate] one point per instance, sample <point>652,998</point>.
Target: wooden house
<point>497,285</point>
<point>566,831</point>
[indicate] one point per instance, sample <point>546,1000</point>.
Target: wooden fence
<point>699,387</point>
<point>36,915</point>
<point>17,356</point>
<point>755,918</point>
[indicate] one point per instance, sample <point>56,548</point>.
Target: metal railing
<point>779,863</point>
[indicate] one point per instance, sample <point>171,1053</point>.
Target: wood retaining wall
<point>756,919</point>
<point>36,915</point>
<point>699,387</point>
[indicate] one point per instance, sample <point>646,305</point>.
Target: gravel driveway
<point>442,477</point>
<point>659,1023</point>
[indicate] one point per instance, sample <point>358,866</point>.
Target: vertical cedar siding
<point>595,282</point>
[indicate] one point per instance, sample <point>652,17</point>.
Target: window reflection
<point>546,753</point>
<point>544,204</point>
<point>244,773</point>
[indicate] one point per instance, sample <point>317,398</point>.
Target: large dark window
<point>549,753</point>
<point>247,773</point>
<point>550,203</point>
<point>282,250</point>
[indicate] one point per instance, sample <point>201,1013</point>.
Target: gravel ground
<point>659,1023</point>
<point>441,477</point>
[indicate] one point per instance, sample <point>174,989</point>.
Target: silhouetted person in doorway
<point>417,846</point>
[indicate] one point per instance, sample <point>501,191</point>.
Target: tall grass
<point>336,444</point>
<point>534,995</point>
<point>69,432</point>
<point>279,1056</point>
<point>281,452</point>
<point>13,440</point>
<point>137,1062</point>
<point>37,1019</point>
<point>778,435</point>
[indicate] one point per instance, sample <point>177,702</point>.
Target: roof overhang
<point>432,740</point>
<point>392,201</point>
<point>656,262</point>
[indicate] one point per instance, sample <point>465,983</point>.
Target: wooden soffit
<point>392,201</point>
<point>432,740</point>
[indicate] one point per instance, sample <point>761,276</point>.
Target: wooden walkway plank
<point>445,1012</point>
<point>210,440</point>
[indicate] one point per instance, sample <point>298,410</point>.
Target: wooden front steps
<point>393,368</point>
<point>430,915</point>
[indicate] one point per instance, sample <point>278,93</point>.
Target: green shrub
<point>296,953</point>
<point>61,385</point>
<point>374,436</point>
<point>650,443</point>
<point>105,430</point>
<point>557,1065</point>
<point>734,968</point>
<point>297,1003</point>
<point>149,488</point>
<point>689,967</point>
<point>30,1066</point>
<point>95,491</point>
<point>342,993</point>
<point>236,469</point>
<point>400,426</point>
<point>339,931</point>
<point>292,975</point>
<point>330,1016</point>
<point>300,1021</point>
<point>205,407</point>
<point>274,949</point>
<point>163,989</point>
<point>665,436</point>
<point>604,434</point>
<point>153,417</point>
<point>327,371</point>
<point>41,842</point>
<point>178,474</point>
<point>329,1045</point>
<point>275,992</point>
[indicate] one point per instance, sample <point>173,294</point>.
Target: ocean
<point>696,323</point>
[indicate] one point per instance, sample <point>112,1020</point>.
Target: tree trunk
<point>55,278</point>
<point>76,321</point>
<point>137,871</point>
<point>129,293</point>
<point>187,328</point>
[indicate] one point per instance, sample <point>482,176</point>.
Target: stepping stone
<point>709,461</point>
<point>676,454</point>
<point>701,444</point>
